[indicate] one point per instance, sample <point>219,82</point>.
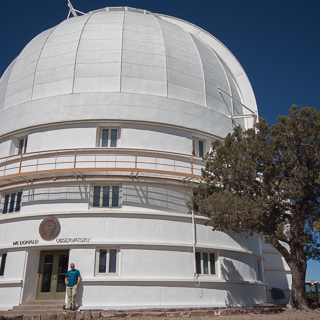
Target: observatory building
<point>104,120</point>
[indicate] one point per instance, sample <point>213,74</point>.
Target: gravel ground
<point>286,315</point>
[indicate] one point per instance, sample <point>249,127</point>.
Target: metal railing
<point>100,159</point>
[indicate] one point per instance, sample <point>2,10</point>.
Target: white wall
<point>155,138</point>
<point>71,136</point>
<point>138,197</point>
<point>62,137</point>
<point>11,282</point>
<point>5,147</point>
<point>277,273</point>
<point>56,197</point>
<point>31,275</point>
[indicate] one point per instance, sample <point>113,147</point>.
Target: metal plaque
<point>49,229</point>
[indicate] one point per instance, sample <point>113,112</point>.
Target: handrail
<point>90,159</point>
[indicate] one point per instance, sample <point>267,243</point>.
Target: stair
<point>39,307</point>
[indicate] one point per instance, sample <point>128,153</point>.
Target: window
<point>258,269</point>
<point>197,147</point>
<point>23,145</point>
<point>206,263</point>
<point>108,261</point>
<point>106,196</point>
<point>12,202</point>
<point>3,257</point>
<point>195,206</point>
<point>109,138</point>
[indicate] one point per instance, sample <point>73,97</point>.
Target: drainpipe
<point>193,237</point>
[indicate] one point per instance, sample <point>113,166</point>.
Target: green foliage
<point>264,180</point>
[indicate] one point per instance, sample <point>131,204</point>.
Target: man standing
<point>72,280</point>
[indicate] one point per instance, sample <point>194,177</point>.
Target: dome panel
<point>4,83</point>
<point>124,55</point>
<point>21,78</point>
<point>98,64</point>
<point>137,77</point>
<point>182,85</point>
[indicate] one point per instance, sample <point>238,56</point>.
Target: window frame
<point>24,145</point>
<point>3,260</point>
<point>258,269</point>
<point>216,259</point>
<point>195,147</point>
<point>100,137</point>
<point>101,196</point>
<point>107,261</point>
<point>7,204</point>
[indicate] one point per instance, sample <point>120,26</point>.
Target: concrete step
<point>43,302</point>
<point>39,307</point>
<point>25,308</point>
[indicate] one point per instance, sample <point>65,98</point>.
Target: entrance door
<point>52,270</point>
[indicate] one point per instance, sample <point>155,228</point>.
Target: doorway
<point>52,270</point>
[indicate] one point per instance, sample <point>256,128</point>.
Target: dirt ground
<point>286,315</point>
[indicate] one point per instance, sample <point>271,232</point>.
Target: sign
<point>72,240</point>
<point>49,229</point>
<point>25,242</point>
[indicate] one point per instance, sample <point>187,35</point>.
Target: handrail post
<point>136,159</point>
<point>20,164</point>
<point>5,167</point>
<point>37,166</point>
<point>75,159</point>
<point>192,164</point>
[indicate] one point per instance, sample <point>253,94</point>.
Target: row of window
<point>109,139</point>
<point>102,197</point>
<point>109,263</point>
<point>205,263</point>
<point>108,260</point>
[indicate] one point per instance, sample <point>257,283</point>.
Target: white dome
<point>125,64</point>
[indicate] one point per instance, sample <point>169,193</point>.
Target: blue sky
<point>276,42</point>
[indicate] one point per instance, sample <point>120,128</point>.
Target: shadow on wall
<point>236,295</point>
<point>155,197</point>
<point>239,238</point>
<point>229,271</point>
<point>56,194</point>
<point>79,295</point>
<point>239,298</point>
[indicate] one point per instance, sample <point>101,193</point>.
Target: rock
<point>61,316</point>
<point>95,314</point>
<point>70,315</point>
<point>87,315</point>
<point>107,314</point>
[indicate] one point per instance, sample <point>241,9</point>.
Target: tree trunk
<point>297,262</point>
<point>298,297</point>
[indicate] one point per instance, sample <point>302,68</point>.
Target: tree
<point>264,180</point>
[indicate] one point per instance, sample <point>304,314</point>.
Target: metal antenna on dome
<point>72,10</point>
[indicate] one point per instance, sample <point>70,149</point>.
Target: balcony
<point>53,164</point>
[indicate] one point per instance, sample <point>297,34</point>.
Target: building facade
<point>104,120</point>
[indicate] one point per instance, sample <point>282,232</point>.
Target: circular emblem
<point>49,229</point>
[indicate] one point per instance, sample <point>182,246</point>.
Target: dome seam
<point>165,55</point>
<point>228,82</point>
<point>6,87</point>
<point>202,69</point>
<point>76,56</point>
<point>35,69</point>
<point>121,62</point>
